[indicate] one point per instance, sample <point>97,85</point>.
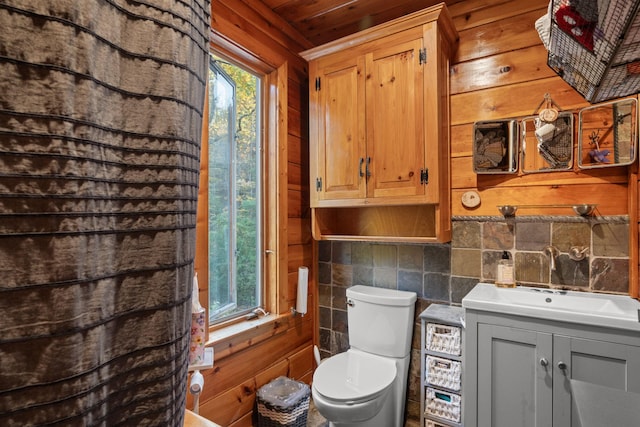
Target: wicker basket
<point>283,403</point>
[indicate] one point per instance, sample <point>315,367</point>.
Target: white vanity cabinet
<point>518,369</point>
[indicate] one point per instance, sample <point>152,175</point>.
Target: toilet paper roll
<point>303,289</point>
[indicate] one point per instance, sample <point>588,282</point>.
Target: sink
<point>616,311</point>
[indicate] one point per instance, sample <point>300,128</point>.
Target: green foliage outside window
<point>234,190</point>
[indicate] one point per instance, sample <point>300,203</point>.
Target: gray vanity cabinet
<point>517,370</point>
<point>607,363</point>
<point>511,383</point>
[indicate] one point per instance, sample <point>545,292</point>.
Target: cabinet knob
<point>562,365</point>
<point>544,362</point>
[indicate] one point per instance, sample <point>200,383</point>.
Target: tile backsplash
<point>445,273</point>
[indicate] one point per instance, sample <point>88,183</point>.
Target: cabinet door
<point>602,363</point>
<point>340,149</point>
<point>514,377</point>
<point>395,120</point>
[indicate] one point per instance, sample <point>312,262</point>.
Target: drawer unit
<point>441,366</point>
<point>443,405</point>
<point>444,373</point>
<point>444,339</point>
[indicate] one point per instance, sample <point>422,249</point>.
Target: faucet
<point>553,253</point>
<point>578,253</point>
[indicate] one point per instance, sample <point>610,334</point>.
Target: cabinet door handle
<point>360,167</point>
<point>562,365</point>
<point>367,168</point>
<point>544,362</point>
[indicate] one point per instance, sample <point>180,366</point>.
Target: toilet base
<point>385,418</point>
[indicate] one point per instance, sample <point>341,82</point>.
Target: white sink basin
<point>616,311</point>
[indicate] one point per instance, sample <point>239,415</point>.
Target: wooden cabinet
<point>379,131</point>
<point>518,370</point>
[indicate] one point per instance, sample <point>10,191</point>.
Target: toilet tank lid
<point>381,296</point>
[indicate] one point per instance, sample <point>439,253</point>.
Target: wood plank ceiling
<point>321,21</point>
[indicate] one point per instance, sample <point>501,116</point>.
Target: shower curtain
<point>100,120</point>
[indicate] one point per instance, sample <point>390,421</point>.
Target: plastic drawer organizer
<point>441,366</point>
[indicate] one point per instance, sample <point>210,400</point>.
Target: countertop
<point>193,420</point>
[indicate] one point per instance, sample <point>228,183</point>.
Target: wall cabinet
<point>379,131</point>
<point>518,370</point>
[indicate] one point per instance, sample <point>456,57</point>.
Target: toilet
<point>366,385</point>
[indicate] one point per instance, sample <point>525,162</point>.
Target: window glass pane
<point>234,191</point>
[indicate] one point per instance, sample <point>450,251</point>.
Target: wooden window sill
<point>239,336</point>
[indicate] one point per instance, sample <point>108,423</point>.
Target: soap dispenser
<point>504,274</point>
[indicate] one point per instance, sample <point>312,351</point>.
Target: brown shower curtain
<point>100,121</point>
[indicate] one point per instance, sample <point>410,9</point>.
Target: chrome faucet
<point>553,252</point>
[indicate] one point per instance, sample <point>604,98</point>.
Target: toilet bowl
<point>351,388</point>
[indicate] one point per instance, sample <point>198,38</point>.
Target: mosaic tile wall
<point>444,273</point>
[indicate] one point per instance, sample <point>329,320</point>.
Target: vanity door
<point>514,375</point>
<point>608,364</point>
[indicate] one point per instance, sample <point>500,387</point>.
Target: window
<point>235,246</point>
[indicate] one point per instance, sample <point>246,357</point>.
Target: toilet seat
<point>353,377</point>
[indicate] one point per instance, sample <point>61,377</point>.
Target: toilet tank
<point>380,320</point>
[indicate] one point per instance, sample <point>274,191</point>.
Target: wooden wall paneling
<point>295,99</point>
<point>610,198</point>
<point>513,33</point>
<point>299,232</point>
<point>516,100</point>
<point>461,139</point>
<point>294,178</point>
<point>296,153</point>
<point>298,204</point>
<point>234,403</point>
<point>462,175</point>
<point>295,123</point>
<point>260,331</point>
<point>228,372</point>
<point>301,363</point>
<point>232,406</point>
<point>501,69</point>
<point>471,14</point>
<point>300,254</point>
